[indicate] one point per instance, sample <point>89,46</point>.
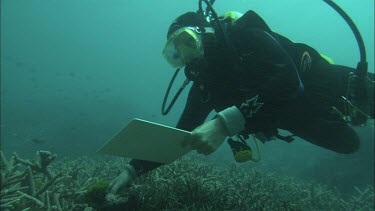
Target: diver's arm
<point>195,112</point>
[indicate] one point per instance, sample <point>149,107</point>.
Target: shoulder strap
<point>253,20</point>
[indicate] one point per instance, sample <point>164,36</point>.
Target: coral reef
<point>191,184</point>
<point>187,184</point>
<point>36,185</point>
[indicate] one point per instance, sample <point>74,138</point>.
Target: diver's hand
<point>124,179</point>
<point>207,137</point>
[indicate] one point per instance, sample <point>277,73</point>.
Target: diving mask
<point>183,46</point>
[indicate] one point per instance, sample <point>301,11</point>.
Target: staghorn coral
<point>27,185</point>
<point>186,184</point>
<point>195,185</point>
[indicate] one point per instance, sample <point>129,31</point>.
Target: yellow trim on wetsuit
<point>329,60</point>
<point>232,15</point>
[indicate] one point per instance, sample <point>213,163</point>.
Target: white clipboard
<point>150,141</point>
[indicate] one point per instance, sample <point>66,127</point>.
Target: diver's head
<point>191,37</point>
<point>186,37</point>
<point>191,19</point>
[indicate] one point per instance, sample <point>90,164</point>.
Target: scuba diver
<point>258,81</point>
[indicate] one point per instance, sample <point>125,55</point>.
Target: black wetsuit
<point>296,84</point>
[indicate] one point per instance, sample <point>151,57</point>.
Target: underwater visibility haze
<point>74,73</point>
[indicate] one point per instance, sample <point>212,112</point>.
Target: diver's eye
<point>190,44</point>
<point>176,56</point>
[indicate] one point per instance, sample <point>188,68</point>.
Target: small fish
<point>37,141</point>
